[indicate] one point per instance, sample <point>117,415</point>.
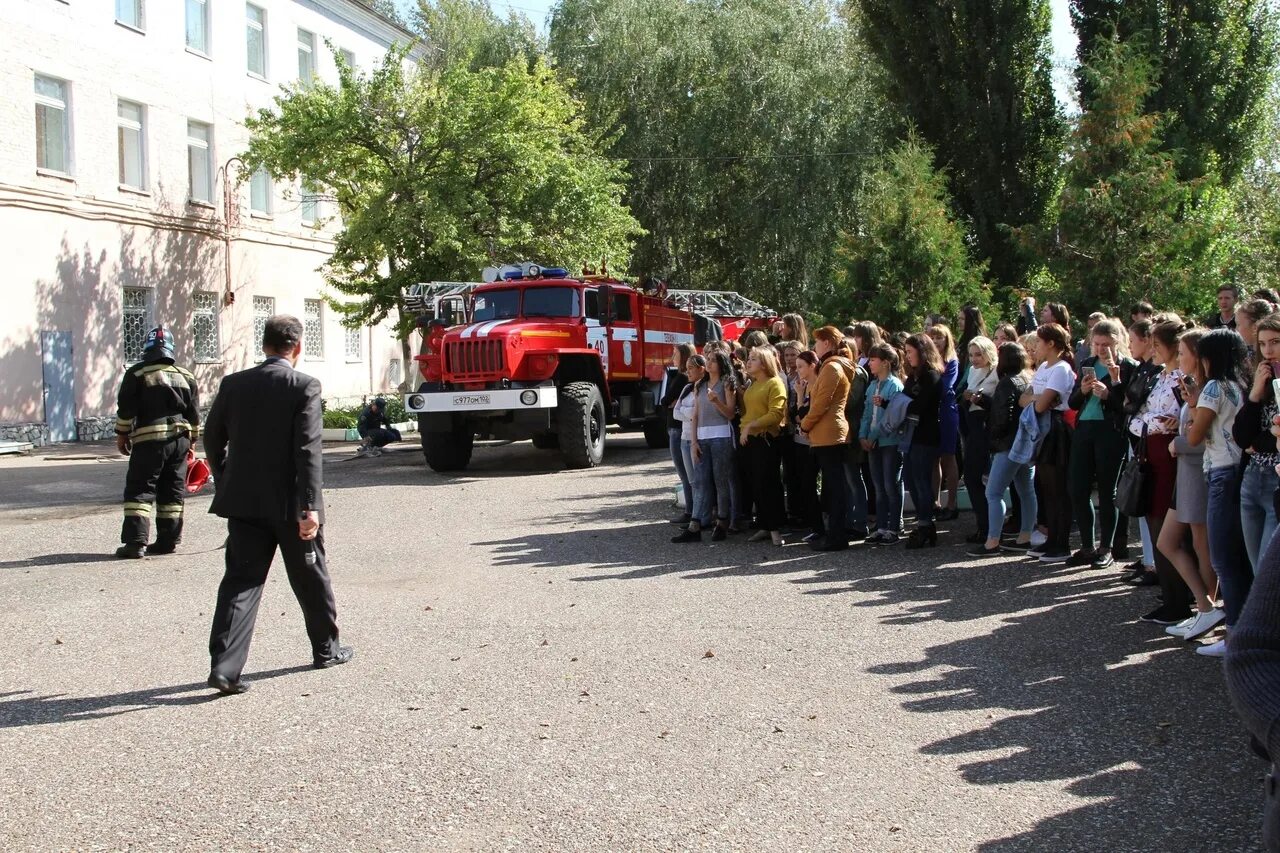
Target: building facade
<point>123,205</point>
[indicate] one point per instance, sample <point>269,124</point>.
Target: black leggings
<point>1057,500</point>
<point>763,463</point>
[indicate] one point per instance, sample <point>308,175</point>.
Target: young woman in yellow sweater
<point>764,410</point>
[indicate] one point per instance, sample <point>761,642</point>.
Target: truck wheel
<point>546,441</point>
<point>582,425</point>
<point>655,433</point>
<point>448,451</point>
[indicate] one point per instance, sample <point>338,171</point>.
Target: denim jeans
<point>686,456</point>
<point>886,477</point>
<point>1257,510</point>
<point>1228,558</point>
<point>715,473</point>
<point>677,459</point>
<point>920,462</point>
<point>1006,472</point>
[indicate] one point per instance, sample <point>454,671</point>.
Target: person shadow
<point>58,560</point>
<point>20,708</point>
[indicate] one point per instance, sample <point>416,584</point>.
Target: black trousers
<point>835,492</point>
<point>977,461</point>
<point>763,461</point>
<point>157,475</point>
<point>251,546</point>
<point>382,436</point>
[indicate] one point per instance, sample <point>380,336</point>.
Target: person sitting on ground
<point>375,428</point>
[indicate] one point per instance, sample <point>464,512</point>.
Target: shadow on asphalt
<point>58,560</point>
<point>19,708</point>
<point>1070,686</point>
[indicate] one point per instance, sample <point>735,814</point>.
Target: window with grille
<point>313,329</point>
<point>395,372</point>
<point>263,308</point>
<point>129,13</point>
<point>200,162</point>
<point>53,125</point>
<point>306,56</point>
<point>355,344</point>
<point>204,326</point>
<point>136,316</point>
<point>260,192</point>
<point>255,40</point>
<point>132,141</point>
<point>198,25</point>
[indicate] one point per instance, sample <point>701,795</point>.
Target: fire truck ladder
<point>424,296</point>
<point>718,303</point>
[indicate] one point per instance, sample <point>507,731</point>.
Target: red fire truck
<point>547,357</point>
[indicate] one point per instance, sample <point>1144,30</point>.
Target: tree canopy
<point>438,173</point>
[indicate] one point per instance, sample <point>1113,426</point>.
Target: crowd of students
<point>1173,420</point>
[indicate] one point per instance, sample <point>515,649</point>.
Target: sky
<point>1064,37</point>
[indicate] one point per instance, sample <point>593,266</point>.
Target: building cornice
<point>357,15</point>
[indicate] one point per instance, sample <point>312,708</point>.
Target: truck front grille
<point>465,360</point>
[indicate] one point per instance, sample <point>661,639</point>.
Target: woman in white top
<point>980,387</point>
<point>682,410</point>
<point>1222,362</point>
<point>1050,389</point>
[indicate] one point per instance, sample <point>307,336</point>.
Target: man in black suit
<point>262,439</point>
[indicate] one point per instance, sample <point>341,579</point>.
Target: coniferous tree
<point>974,79</point>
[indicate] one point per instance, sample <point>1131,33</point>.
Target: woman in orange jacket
<point>828,430</point>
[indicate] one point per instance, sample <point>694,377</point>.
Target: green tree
<point>468,33</point>
<point>905,256</point>
<point>1255,260</point>
<point>1128,227</point>
<point>974,79</point>
<point>438,173</point>
<point>747,124</point>
<point>1214,62</point>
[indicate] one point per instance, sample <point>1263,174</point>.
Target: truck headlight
<point>417,401</point>
<point>528,397</point>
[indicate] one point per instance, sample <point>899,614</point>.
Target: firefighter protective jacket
<point>158,401</point>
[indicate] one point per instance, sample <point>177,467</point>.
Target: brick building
<point>124,118</point>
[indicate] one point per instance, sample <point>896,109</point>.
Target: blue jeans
<point>677,458</point>
<point>857,494</point>
<point>715,473</point>
<point>920,462</point>
<point>686,456</point>
<point>1228,558</point>
<point>886,477</point>
<point>1005,472</point>
<point>1258,510</point>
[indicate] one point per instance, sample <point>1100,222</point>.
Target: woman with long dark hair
<point>881,445</point>
<point>971,326</point>
<point>674,383</point>
<point>1222,362</point>
<point>924,387</point>
<point>716,403</point>
<point>1252,431</point>
<point>1050,389</point>
<point>828,430</point>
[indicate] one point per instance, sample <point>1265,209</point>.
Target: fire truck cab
<point>546,357</point>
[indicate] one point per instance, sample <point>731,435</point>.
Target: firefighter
<point>156,423</point>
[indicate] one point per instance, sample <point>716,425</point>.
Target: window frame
<point>309,197</point>
<point>269,212</point>
<point>143,186</point>
<point>260,356</point>
<point>195,144</point>
<point>261,26</point>
<point>48,102</point>
<point>148,316</point>
<point>309,48</point>
<point>310,353</point>
<point>213,313</point>
<point>206,51</point>
<point>356,334</point>
<point>141,25</point>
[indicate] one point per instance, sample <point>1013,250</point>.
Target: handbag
<point>1133,491</point>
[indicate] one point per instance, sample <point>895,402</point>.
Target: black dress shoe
<point>226,686</point>
<point>158,548</point>
<point>131,552</point>
<point>721,533</point>
<point>344,654</point>
<point>687,536</point>
<point>1166,615</point>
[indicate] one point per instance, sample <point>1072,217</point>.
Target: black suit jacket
<point>262,438</point>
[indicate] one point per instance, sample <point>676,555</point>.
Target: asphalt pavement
<point>538,668</point>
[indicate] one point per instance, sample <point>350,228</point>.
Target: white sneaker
<point>1038,539</point>
<point>1204,623</point>
<point>1180,630</point>
<point>1213,650</point>
<point>362,452</point>
<point>373,451</point>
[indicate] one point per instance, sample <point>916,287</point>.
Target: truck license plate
<point>471,400</point>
